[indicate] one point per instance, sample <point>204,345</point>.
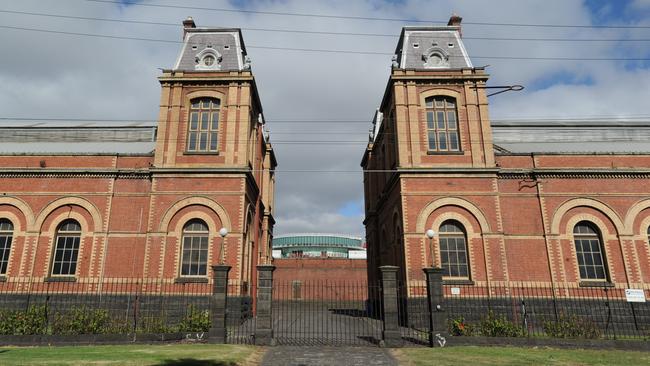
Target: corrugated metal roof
<point>77,137</point>
<point>36,148</point>
<point>77,123</point>
<point>572,136</point>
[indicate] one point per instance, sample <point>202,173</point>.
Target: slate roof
<point>417,44</point>
<point>226,43</point>
<point>572,136</point>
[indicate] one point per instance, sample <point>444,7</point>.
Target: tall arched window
<point>649,234</point>
<point>453,249</point>
<point>66,251</point>
<point>194,260</point>
<point>442,124</point>
<point>589,251</point>
<point>203,129</point>
<point>6,236</point>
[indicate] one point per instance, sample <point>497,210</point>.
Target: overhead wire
<point>302,31</point>
<point>530,58</point>
<point>566,138</point>
<point>586,118</point>
<point>353,17</point>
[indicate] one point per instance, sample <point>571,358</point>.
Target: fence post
<point>264,321</point>
<point>435,300</point>
<point>391,334</point>
<point>218,302</point>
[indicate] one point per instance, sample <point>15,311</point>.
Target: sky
<point>328,97</point>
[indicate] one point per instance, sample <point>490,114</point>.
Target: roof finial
<point>188,24</point>
<point>454,21</point>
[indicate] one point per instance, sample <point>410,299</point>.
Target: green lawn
<point>477,356</point>
<point>170,355</point>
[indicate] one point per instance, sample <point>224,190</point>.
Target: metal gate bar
<point>326,313</point>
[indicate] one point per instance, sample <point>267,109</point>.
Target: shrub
<point>499,326</point>
<point>118,325</point>
<point>571,326</point>
<point>27,322</point>
<point>154,324</point>
<point>81,321</point>
<point>195,320</point>
<point>459,327</point>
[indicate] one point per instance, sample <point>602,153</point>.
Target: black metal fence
<point>522,309</point>
<point>240,319</point>
<point>326,313</point>
<point>111,306</point>
<point>322,312</point>
<point>414,315</point>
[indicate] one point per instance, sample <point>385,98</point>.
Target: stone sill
<point>445,153</point>
<point>595,284</point>
<point>60,279</point>
<point>458,282</point>
<point>201,153</point>
<point>191,280</point>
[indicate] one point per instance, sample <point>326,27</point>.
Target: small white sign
<point>634,295</point>
<point>357,254</point>
<point>455,290</point>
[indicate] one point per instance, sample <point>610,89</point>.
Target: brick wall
<point>319,269</point>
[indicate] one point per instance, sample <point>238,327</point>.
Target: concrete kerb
<point>629,345</point>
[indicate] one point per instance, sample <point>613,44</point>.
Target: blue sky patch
<point>604,12</point>
<point>239,4</point>
<point>352,209</point>
<point>560,78</point>
<point>126,3</point>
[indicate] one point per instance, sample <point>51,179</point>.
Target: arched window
<point>591,261</point>
<point>453,249</point>
<point>203,129</point>
<point>6,236</point>
<point>648,234</point>
<point>66,251</point>
<point>194,260</point>
<point>442,124</point>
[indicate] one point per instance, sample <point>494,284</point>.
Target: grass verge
<point>477,356</point>
<point>169,355</point>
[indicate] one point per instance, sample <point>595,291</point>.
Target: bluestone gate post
<point>218,303</point>
<point>391,333</point>
<point>263,327</point>
<point>435,300</point>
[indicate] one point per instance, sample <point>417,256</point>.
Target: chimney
<point>454,21</point>
<point>188,24</point>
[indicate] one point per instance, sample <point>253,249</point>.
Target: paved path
<point>326,356</point>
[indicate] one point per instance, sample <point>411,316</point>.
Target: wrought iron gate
<point>326,313</point>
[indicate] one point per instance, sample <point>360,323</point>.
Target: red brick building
<point>110,201</point>
<point>538,203</point>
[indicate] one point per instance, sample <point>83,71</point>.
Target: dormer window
<point>435,57</point>
<point>208,59</point>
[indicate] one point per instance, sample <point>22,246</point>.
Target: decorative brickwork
<point>132,205</point>
<point>518,210</point>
